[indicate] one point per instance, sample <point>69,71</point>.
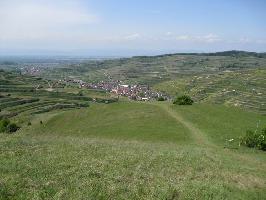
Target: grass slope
<point>133,151</point>
<point>135,121</point>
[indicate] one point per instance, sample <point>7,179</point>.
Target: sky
<point>130,27</point>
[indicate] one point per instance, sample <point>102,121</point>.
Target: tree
<point>183,100</point>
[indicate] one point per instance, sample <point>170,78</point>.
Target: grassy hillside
<point>120,121</point>
<point>134,151</point>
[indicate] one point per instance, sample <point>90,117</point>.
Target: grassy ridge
<point>132,151</point>
<point>120,121</point>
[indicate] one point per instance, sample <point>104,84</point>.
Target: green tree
<point>183,100</point>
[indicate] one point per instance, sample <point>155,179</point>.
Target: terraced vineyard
<point>156,69</point>
<point>20,95</point>
<point>244,89</point>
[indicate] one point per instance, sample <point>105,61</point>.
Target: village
<point>134,92</point>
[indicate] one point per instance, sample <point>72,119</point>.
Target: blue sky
<point>131,27</point>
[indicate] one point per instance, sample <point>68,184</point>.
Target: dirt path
<point>197,134</point>
<point>201,139</point>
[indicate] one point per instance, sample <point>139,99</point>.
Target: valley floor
<point>132,150</point>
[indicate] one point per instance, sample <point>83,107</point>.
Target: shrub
<point>11,128</point>
<point>161,99</point>
<point>183,100</point>
<point>253,139</point>
<point>80,93</point>
<point>8,127</point>
<point>3,125</point>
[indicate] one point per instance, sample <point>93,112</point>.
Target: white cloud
<point>29,20</point>
<point>209,38</point>
<point>134,36</point>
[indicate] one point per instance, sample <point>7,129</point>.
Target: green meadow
<point>130,150</point>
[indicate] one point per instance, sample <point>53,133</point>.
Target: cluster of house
<point>31,70</point>
<point>137,92</point>
<point>116,87</point>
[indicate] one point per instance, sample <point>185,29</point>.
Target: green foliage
<point>3,125</point>
<point>8,127</point>
<point>11,128</point>
<point>80,94</point>
<point>160,99</point>
<point>183,100</point>
<point>255,139</point>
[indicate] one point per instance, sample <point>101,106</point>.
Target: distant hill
<point>233,53</point>
<point>237,54</point>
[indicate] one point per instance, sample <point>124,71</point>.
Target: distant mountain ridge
<point>233,53</point>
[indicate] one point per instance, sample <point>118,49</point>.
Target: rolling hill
<point>77,143</point>
<point>134,151</point>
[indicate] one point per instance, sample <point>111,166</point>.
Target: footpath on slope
<point>197,134</point>
<point>201,139</point>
